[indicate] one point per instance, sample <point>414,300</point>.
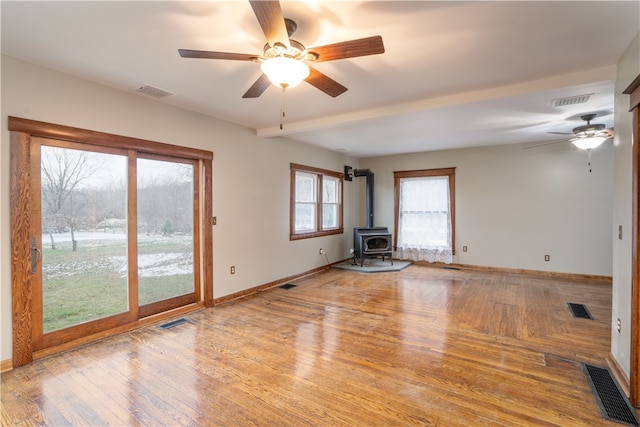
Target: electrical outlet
<point>619,232</point>
<point>214,220</point>
<point>464,249</point>
<point>547,258</point>
<point>619,325</point>
<point>233,269</point>
<point>321,251</point>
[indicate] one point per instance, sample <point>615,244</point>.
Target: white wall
<point>250,176</point>
<point>515,205</point>
<point>628,69</point>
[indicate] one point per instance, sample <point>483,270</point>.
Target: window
<point>316,202</point>
<point>425,214</point>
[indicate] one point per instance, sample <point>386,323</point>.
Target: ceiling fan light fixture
<point>589,142</point>
<point>285,72</point>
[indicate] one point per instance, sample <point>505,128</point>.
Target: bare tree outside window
<point>64,201</point>
<point>84,215</point>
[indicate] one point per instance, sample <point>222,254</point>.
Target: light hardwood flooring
<point>424,346</point>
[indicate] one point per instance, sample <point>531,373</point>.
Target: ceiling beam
<point>595,75</point>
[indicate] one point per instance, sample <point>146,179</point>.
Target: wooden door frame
<point>21,132</point>
<point>634,370</point>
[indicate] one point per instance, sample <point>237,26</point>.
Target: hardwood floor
<point>424,346</point>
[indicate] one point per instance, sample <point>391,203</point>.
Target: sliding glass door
<point>108,232</point>
<point>116,237</point>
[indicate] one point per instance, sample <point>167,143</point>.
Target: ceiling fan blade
<point>349,49</point>
<point>324,83</point>
<point>205,54</point>
<point>258,87</point>
<point>561,133</point>
<point>269,15</point>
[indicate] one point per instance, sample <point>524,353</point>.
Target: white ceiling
<point>454,74</point>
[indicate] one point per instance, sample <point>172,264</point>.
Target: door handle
<point>36,255</point>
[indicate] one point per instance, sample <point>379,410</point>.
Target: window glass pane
<point>329,216</point>
<point>424,212</point>
<point>165,230</point>
<point>424,229</point>
<point>305,187</point>
<point>425,194</point>
<point>329,189</point>
<point>84,236</point>
<point>305,217</point>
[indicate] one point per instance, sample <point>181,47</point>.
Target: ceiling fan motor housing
<point>588,129</point>
<point>295,51</point>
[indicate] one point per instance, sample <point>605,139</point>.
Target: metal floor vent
<point>579,310</point>
<point>288,286</point>
<point>174,323</point>
<point>612,402</point>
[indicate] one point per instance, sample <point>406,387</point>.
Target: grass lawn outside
<point>92,282</point>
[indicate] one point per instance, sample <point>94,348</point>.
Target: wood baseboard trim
<point>570,276</point>
<point>261,288</point>
<point>266,286</point>
<point>619,374</point>
<point>6,365</point>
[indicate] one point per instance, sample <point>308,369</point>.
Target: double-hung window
<point>316,202</point>
<point>425,214</point>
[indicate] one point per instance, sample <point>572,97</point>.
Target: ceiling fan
<point>585,137</point>
<point>589,136</point>
<point>284,61</point>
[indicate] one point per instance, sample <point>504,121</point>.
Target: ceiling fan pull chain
<point>282,108</point>
<point>589,156</point>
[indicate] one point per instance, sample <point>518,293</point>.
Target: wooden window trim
<point>22,203</point>
<point>450,172</point>
<point>292,202</point>
<point>68,133</point>
<point>633,90</point>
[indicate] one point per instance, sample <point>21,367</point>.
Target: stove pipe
<point>369,193</point>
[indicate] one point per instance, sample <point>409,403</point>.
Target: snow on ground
<point>149,265</point>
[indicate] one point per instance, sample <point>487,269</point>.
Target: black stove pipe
<point>369,193</point>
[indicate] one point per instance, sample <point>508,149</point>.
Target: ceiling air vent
<point>153,91</point>
<point>572,100</point>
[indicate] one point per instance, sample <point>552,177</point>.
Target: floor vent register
<point>174,323</point>
<point>579,310</point>
<point>613,403</point>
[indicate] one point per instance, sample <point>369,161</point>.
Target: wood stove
<point>371,242</point>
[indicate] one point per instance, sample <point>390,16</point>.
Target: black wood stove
<point>369,241</point>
